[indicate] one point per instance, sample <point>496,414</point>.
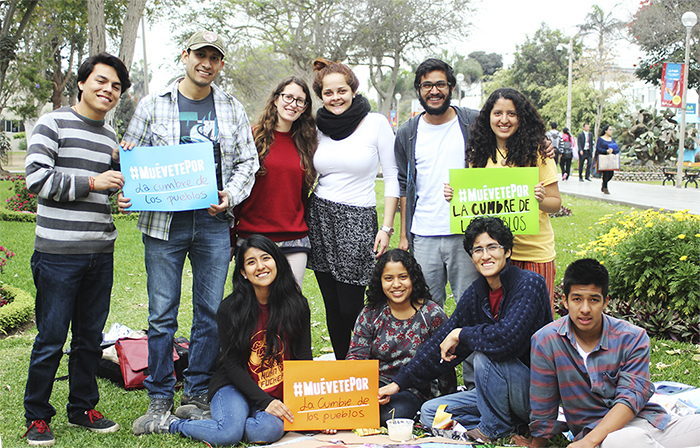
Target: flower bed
<point>18,310</point>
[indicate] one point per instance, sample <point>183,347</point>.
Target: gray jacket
<point>405,151</point>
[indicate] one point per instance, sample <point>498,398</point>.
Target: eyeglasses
<point>491,248</point>
<point>428,86</point>
<point>289,99</point>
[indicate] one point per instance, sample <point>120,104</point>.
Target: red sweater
<point>275,207</point>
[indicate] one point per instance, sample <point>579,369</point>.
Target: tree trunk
<point>130,29</point>
<point>96,25</point>
<point>7,34</point>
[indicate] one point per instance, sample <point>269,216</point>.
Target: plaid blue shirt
<point>618,372</point>
<point>156,122</point>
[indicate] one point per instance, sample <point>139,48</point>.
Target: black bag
<point>565,148</point>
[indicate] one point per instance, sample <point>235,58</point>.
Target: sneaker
<point>200,401</point>
<point>153,424</point>
<point>39,434</point>
<point>192,412</point>
<point>94,421</point>
<point>476,435</point>
<point>158,409</point>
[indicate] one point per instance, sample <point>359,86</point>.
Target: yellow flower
<point>684,257</point>
<point>602,262</point>
<point>649,224</point>
<point>681,236</point>
<point>697,235</point>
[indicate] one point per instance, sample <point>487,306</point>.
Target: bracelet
<point>92,183</point>
<point>389,230</point>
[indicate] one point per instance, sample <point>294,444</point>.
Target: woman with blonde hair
<point>343,226</point>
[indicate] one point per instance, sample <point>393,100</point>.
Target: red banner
<point>672,85</point>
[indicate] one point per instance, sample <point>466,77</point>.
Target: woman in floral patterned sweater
<point>398,317</point>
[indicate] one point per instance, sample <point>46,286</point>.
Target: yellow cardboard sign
<point>331,394</point>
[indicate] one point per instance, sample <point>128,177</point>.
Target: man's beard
<point>433,110</point>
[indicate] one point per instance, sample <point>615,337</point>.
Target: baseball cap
<point>204,38</point>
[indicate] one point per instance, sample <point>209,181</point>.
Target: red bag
<point>133,361</point>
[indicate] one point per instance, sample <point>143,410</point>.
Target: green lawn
<point>673,361</point>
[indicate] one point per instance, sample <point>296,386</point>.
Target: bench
<point>691,175</point>
<point>691,172</point>
<point>670,175</point>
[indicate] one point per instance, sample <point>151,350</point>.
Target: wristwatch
<point>389,230</point>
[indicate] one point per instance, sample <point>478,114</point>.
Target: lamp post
<point>460,80</point>
<point>689,19</point>
<point>571,63</point>
<point>398,103</point>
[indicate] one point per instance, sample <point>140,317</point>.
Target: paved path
<point>636,194</point>
<point>629,193</point>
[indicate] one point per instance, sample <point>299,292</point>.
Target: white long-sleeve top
<point>347,168</point>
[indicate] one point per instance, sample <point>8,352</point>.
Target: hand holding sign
<point>171,178</point>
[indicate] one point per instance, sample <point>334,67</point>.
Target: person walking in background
<point>554,135</point>
<point>606,145</point>
<point>190,109</point>
<point>73,166</point>
<point>566,143</point>
<point>398,318</point>
<point>585,152</point>
<point>342,217</point>
<point>286,140</point>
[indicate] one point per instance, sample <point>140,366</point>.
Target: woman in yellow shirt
<point>509,132</point>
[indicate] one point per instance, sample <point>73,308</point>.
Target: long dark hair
<point>303,131</point>
<point>375,294</point>
<point>524,146</point>
<point>287,307</point>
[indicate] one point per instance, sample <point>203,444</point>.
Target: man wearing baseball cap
<point>191,109</point>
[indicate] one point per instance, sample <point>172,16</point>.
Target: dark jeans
<point>343,303</point>
<point>71,290</point>
<point>404,404</point>
<point>607,175</point>
<point>585,158</point>
<point>565,163</point>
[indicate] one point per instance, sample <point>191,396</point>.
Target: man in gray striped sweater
<point>72,167</point>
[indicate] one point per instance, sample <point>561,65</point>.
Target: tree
<point>386,30</point>
<point>489,62</point>
<point>538,64</point>
<point>656,27</point>
<point>606,29</point>
<point>16,15</point>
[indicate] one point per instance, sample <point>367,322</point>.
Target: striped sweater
<point>64,151</point>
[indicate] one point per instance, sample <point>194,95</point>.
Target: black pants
<point>343,304</point>
<point>607,175</point>
<point>585,158</point>
<point>565,164</point>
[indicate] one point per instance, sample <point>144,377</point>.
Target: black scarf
<point>340,126</point>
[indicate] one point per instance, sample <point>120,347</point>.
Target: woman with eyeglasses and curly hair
<point>286,140</point>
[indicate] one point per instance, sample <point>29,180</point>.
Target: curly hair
<point>494,226</point>
<point>524,145</point>
<point>323,68</point>
<point>303,131</point>
<point>375,294</point>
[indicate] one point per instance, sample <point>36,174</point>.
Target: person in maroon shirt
<point>264,321</point>
<point>286,139</point>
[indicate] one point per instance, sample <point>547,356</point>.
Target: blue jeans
<point>443,258</point>
<point>233,419</point>
<point>499,403</point>
<point>205,240</point>
<point>71,290</point>
<point>404,404</point>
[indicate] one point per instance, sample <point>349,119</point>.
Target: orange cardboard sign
<point>331,394</point>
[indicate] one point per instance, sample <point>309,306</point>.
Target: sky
<point>498,27</point>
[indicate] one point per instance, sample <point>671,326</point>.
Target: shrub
<point>653,258</point>
<point>19,309</point>
<point>23,200</point>
<point>19,135</point>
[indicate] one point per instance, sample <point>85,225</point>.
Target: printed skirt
<point>342,237</point>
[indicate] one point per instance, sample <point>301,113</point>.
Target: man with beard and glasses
<point>427,147</point>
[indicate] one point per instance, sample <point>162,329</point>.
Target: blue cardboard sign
<point>170,178</point>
